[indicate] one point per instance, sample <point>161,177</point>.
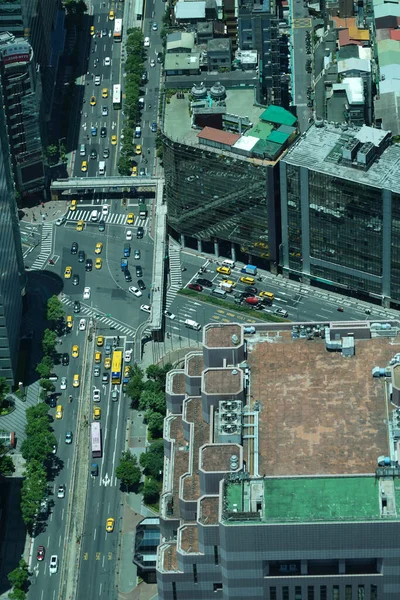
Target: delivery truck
<point>143,211</point>
<point>250,270</point>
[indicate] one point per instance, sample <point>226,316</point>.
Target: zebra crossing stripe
<point>112,218</point>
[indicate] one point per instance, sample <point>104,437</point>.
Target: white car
<point>104,111</point>
<point>169,315</point>
<point>145,308</point>
<point>53,564</point>
<point>61,491</point>
<point>281,312</point>
<point>104,210</point>
<point>61,220</point>
<point>96,395</point>
<point>97,80</point>
<point>129,235</point>
<point>135,290</point>
<point>128,355</point>
<point>86,293</point>
<point>107,61</point>
<point>152,62</point>
<point>146,42</point>
<point>63,384</point>
<point>82,325</point>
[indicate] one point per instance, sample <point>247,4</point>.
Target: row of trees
<point>55,315</point>
<point>149,397</point>
<point>134,67</point>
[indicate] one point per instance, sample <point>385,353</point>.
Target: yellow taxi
<point>99,248</point>
<point>68,272</point>
<point>247,279</point>
<point>114,140</point>
<point>127,371</point>
<point>93,101</point>
<point>134,171</point>
<point>111,15</point>
<point>80,225</point>
<point>97,357</point>
<point>223,270</point>
<point>74,204</point>
<point>107,363</point>
<point>268,295</point>
<point>75,351</point>
<point>96,413</point>
<point>92,31</point>
<point>229,282</point>
<point>130,219</point>
<point>104,93</point>
<point>100,341</point>
<point>84,166</point>
<point>70,322</point>
<point>110,525</point>
<point>99,263</point>
<point>138,149</point>
<point>75,382</point>
<point>59,412</point>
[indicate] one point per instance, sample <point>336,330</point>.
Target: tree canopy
<point>128,471</point>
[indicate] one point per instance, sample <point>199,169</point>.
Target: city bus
<point>116,367</point>
<point>95,432</point>
<point>118,30</point>
<point>117,96</point>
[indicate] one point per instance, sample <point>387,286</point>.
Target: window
<point>217,587</point>
<point>285,593</point>
<point>335,593</point>
<point>174,596</point>
<point>297,593</point>
<point>361,592</point>
<point>310,592</point>
<point>195,573</point>
<point>216,556</point>
<point>348,593</point>
<point>322,592</point>
<point>374,592</point>
<point>272,593</point>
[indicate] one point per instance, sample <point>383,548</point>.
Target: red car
<point>40,553</point>
<point>253,300</point>
<point>196,287</point>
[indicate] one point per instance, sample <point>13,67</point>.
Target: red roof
<point>395,34</point>
<point>344,39</point>
<point>216,135</point>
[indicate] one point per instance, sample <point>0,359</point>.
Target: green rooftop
<point>310,499</point>
<point>278,115</point>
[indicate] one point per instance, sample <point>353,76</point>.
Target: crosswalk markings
<point>46,245</point>
<point>112,218</point>
<point>91,312</point>
<point>175,273</point>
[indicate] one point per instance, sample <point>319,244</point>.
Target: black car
<point>103,132</point>
<point>65,359</point>
<point>204,282</point>
<point>102,225</point>
<point>139,271</point>
<point>128,276</point>
<point>141,285</point>
<point>74,248</point>
<point>144,76</point>
<point>105,378</point>
<point>75,280</point>
<point>159,57</point>
<point>244,295</point>
<point>52,400</point>
<point>89,264</point>
<point>93,154</point>
<point>252,290</point>
<point>77,306</point>
<point>106,152</point>
<point>81,256</point>
<point>140,233</point>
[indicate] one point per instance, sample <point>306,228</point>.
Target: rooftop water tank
<point>199,91</point>
<point>218,92</point>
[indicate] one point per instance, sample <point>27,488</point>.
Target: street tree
<point>55,310</point>
<point>49,342</point>
<point>16,594</point>
<point>152,461</point>
<point>45,366</point>
<point>128,471</point>
<point>18,577</point>
<point>38,446</point>
<point>155,423</point>
<point>36,412</point>
<point>158,373</point>
<point>150,400</point>
<point>7,467</point>
<point>33,491</point>
<point>47,385</point>
<point>151,490</point>
<point>4,390</point>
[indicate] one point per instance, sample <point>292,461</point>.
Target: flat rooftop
<point>319,413</point>
<point>220,336</point>
<point>223,381</point>
<point>177,123</point>
<point>312,150</point>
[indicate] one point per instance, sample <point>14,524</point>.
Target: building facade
<point>280,473</point>
<point>11,264</point>
<point>340,192</point>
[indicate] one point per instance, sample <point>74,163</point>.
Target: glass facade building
<point>11,264</point>
<point>340,191</point>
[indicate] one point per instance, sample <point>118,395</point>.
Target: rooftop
<point>319,150</point>
<point>314,404</point>
<point>217,336</point>
<point>223,381</point>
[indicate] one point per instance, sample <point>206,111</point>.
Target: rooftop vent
<point>235,339</point>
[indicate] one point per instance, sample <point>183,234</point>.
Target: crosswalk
<point>102,317</point>
<point>46,245</point>
<point>112,218</point>
<point>175,273</point>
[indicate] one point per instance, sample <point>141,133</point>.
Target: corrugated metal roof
<point>359,34</point>
<point>387,9</point>
<point>190,10</point>
<point>354,64</point>
<point>278,137</point>
<point>216,135</point>
<point>246,142</point>
<point>277,114</point>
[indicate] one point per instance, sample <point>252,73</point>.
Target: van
<point>218,292</point>
<point>192,324</point>
<point>228,263</point>
<point>102,167</point>
<point>82,151</point>
<point>94,215</point>
<point>138,132</point>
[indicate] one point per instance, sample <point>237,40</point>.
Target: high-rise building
<point>340,210</point>
<point>281,465</point>
<point>21,101</point>
<point>12,279</point>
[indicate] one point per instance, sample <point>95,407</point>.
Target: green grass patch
<point>254,314</point>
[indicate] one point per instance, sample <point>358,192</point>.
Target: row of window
<point>324,592</point>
